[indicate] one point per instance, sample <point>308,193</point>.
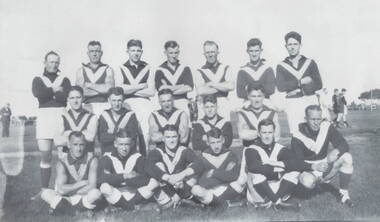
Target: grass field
<point>363,137</point>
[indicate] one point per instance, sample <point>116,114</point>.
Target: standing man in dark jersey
<point>51,90</point>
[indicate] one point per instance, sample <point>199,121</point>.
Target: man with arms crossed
<point>311,145</point>
<point>95,78</point>
<point>299,78</point>
<point>214,78</point>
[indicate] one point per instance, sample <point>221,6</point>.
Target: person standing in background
<point>5,114</point>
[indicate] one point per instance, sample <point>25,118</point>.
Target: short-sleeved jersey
<point>97,76</point>
<point>76,169</point>
<point>202,126</point>
<point>217,72</point>
<point>162,118</point>
<point>42,88</point>
<point>166,76</point>
<point>288,76</point>
<point>133,75</point>
<point>252,119</point>
<point>262,74</point>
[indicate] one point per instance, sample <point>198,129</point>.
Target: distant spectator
<point>335,105</point>
<point>6,113</point>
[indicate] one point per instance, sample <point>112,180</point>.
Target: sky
<point>342,36</point>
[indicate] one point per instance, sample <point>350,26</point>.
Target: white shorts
<point>142,108</point>
<point>48,120</point>
<point>317,174</point>
<point>96,108</point>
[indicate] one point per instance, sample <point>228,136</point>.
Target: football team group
<point>120,148</point>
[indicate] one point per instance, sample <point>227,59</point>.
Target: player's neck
<point>76,112</point>
<point>172,66</point>
<point>255,63</point>
<point>132,63</point>
<point>94,65</point>
<point>213,119</point>
<point>256,110</point>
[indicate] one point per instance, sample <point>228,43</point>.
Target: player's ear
<point>223,139</point>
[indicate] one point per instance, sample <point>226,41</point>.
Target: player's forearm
<point>84,190</point>
<point>247,134</point>
<point>181,89</point>
<point>101,88</point>
<point>70,188</point>
<point>148,92</point>
<point>156,137</point>
<point>130,89</point>
<point>87,92</point>
<point>205,90</point>
<point>223,86</point>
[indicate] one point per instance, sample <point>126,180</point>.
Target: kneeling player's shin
<point>288,183</point>
<point>262,187</point>
<point>45,167</point>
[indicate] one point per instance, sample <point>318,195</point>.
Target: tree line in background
<point>367,94</point>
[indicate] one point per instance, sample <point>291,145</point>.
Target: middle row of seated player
<point>171,173</point>
<point>76,118</point>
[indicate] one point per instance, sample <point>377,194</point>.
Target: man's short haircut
<point>94,43</point>
<point>214,133</point>
<point>170,44</point>
<point>209,42</point>
<point>165,91</point>
<point>123,133</point>
<point>170,127</point>
<point>293,35</point>
<point>344,90</point>
<point>209,99</point>
<point>336,90</point>
<point>312,107</point>
<point>254,87</point>
<point>117,91</point>
<point>134,42</point>
<point>76,134</point>
<point>266,122</point>
<point>254,42</point>
<point>75,88</point>
<point>50,53</point>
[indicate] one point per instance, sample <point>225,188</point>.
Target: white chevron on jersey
<point>94,76</point>
<point>71,122</point>
<point>264,156</point>
<point>297,73</point>
<point>173,78</point>
<point>217,77</point>
<point>110,123</point>
<point>139,77</point>
<point>206,126</point>
<point>172,164</point>
<point>171,121</point>
<point>216,161</point>
<point>77,174</point>
<point>57,82</point>
<point>129,165</point>
<point>256,75</point>
<point>312,145</point>
<point>253,119</point>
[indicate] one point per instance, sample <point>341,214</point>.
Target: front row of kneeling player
<point>269,172</point>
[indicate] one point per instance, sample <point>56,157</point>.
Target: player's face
<point>166,102</point>
<point>94,53</point>
<point>314,119</point>
<point>211,53</point>
<point>267,134</point>
<point>210,110</point>
<point>123,146</point>
<point>135,53</point>
<point>170,139</point>
<point>216,144</point>
<point>76,146</point>
<point>116,102</point>
<point>254,53</point>
<point>172,54</point>
<point>52,63</point>
<point>75,100</point>
<point>293,47</point>
<point>256,97</point>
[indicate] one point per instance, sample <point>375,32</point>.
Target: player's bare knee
<point>198,191</point>
<point>48,194</point>
<point>94,194</point>
<point>308,180</point>
<point>347,163</point>
<point>106,189</point>
<point>191,182</point>
<point>292,176</point>
<point>258,178</point>
<point>153,184</point>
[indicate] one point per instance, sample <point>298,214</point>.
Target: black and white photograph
<point>213,110</point>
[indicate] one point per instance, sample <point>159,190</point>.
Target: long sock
<point>217,202</point>
<point>63,207</point>
<point>169,190</point>
<point>344,180</point>
<point>265,191</point>
<point>45,176</point>
<point>136,199</point>
<point>185,192</point>
<point>123,203</point>
<point>229,194</point>
<point>286,187</point>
